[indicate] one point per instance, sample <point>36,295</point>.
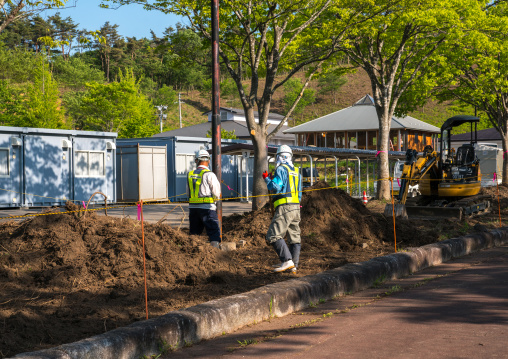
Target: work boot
<point>285,266</point>
<point>295,249</point>
<point>282,250</point>
<point>215,244</point>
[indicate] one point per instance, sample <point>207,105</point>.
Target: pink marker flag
<point>378,152</point>
<point>84,205</point>
<point>139,212</point>
<point>398,182</point>
<point>494,177</point>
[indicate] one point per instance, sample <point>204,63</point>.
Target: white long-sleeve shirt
<point>210,187</point>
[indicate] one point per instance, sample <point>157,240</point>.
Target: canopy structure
<point>458,120</point>
<point>363,161</point>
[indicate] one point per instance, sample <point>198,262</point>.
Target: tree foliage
<point>15,10</point>
<point>33,100</point>
<point>223,134</point>
<point>474,70</point>
<point>292,89</point>
<point>330,82</point>
<point>118,107</point>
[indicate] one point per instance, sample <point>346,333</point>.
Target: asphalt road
<point>456,310</point>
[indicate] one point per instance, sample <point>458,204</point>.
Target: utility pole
<point>180,109</point>
<point>216,128</point>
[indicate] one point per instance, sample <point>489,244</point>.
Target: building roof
<point>51,131</point>
<point>240,128</point>
<point>241,112</point>
<point>490,134</point>
<point>361,116</point>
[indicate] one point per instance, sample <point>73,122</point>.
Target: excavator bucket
<point>400,211</point>
<point>434,212</point>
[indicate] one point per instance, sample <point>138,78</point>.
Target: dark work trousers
<point>200,218</point>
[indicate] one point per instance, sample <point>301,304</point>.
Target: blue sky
<point>133,20</point>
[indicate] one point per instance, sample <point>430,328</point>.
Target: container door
<point>229,177</point>
<point>47,172</point>
<point>160,173</point>
<point>10,172</point>
<point>146,175</point>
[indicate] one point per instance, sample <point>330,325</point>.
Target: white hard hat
<point>284,149</point>
<point>203,155</point>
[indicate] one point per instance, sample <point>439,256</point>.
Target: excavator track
<point>425,208</point>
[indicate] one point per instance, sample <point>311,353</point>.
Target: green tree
<point>330,82</point>
<point>292,89</point>
<point>118,107</point>
<point>15,10</point>
<point>65,33</point>
<point>165,96</point>
<point>109,45</point>
<point>396,45</point>
<point>186,57</point>
<point>75,72</point>
<point>34,103</point>
<point>475,70</point>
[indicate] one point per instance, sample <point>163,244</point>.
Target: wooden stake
<point>144,256</point>
<point>393,212</point>
<point>498,202</point>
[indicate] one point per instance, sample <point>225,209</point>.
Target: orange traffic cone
<point>365,197</point>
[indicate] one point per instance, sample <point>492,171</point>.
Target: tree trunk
<point>383,169</point>
<point>505,159</point>
<point>259,190</point>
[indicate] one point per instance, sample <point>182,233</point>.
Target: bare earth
<point>65,277</point>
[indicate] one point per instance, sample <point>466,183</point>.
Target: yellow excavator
<point>449,181</point>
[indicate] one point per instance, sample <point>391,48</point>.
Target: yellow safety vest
<point>195,178</point>
<point>292,196</point>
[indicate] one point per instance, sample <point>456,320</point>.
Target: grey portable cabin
<point>46,167</point>
<point>180,160</point>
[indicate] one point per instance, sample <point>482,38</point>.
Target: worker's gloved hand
<point>265,174</point>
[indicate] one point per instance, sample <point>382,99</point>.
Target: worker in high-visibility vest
<point>286,184</point>
<point>204,190</point>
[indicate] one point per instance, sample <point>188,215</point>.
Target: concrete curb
<point>213,318</point>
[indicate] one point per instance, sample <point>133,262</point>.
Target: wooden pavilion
<point>358,127</point>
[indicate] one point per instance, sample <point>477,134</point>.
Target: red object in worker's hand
<point>265,174</point>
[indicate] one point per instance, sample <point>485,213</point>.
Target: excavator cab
<point>458,171</point>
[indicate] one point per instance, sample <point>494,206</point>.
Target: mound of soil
<point>329,217</point>
<point>64,277</point>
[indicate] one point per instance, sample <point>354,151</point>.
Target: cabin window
<point>89,164</point>
<point>4,162</point>
<point>223,116</point>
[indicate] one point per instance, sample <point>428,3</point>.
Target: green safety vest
<point>292,196</point>
<point>195,178</point>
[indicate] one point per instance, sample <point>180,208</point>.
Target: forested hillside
<point>54,74</point>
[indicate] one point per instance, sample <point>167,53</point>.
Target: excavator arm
<point>414,169</point>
